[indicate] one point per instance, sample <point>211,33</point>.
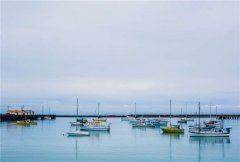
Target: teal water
<point>45,142</point>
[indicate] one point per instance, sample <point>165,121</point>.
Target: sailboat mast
<point>198,117</point>
<point>98,109</point>
<point>77,106</point>
<point>210,110</point>
<point>186,110</point>
<point>216,112</point>
<point>170,112</point>
<point>135,110</point>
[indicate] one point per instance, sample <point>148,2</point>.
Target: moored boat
<point>78,133</point>
<point>95,127</point>
<point>98,119</point>
<point>26,122</point>
<point>204,130</point>
<point>172,128</point>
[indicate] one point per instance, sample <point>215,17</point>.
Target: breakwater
<point>7,117</point>
<point>223,116</point>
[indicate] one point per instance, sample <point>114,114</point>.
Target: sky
<point>118,53</point>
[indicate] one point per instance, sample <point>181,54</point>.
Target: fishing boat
<point>95,126</point>
<point>172,128</point>
<point>98,119</point>
<point>26,122</point>
<point>202,130</point>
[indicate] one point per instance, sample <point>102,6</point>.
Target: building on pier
<point>20,112</point>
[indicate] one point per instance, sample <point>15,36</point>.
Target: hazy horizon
<point>118,53</point>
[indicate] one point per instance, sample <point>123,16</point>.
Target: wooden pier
<point>7,117</point>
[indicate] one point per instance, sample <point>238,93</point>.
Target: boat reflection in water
<point>172,135</point>
<point>202,143</point>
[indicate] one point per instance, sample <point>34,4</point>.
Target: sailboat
<point>98,119</point>
<point>134,119</point>
<point>172,128</point>
<point>79,121</point>
<point>182,120</point>
<point>77,132</point>
<point>205,131</point>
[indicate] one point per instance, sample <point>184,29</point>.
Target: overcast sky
<point>121,52</point>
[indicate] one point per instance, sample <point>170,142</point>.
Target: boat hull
<point>76,124</point>
<point>172,130</point>
<point>24,123</point>
<point>95,128</point>
<point>208,135</point>
<point>78,133</point>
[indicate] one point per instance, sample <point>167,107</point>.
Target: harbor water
<point>47,142</point>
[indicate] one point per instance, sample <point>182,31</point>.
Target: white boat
<point>210,133</point>
<point>95,127</point>
<point>78,133</point>
<point>142,124</point>
<point>203,130</point>
<point>158,121</point>
<point>76,123</point>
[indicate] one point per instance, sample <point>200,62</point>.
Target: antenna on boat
<point>170,112</point>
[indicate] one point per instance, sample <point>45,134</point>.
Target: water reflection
<point>173,135</point>
<point>203,142</point>
<point>99,134</point>
<point>209,140</point>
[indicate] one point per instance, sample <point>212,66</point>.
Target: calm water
<point>46,143</point>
